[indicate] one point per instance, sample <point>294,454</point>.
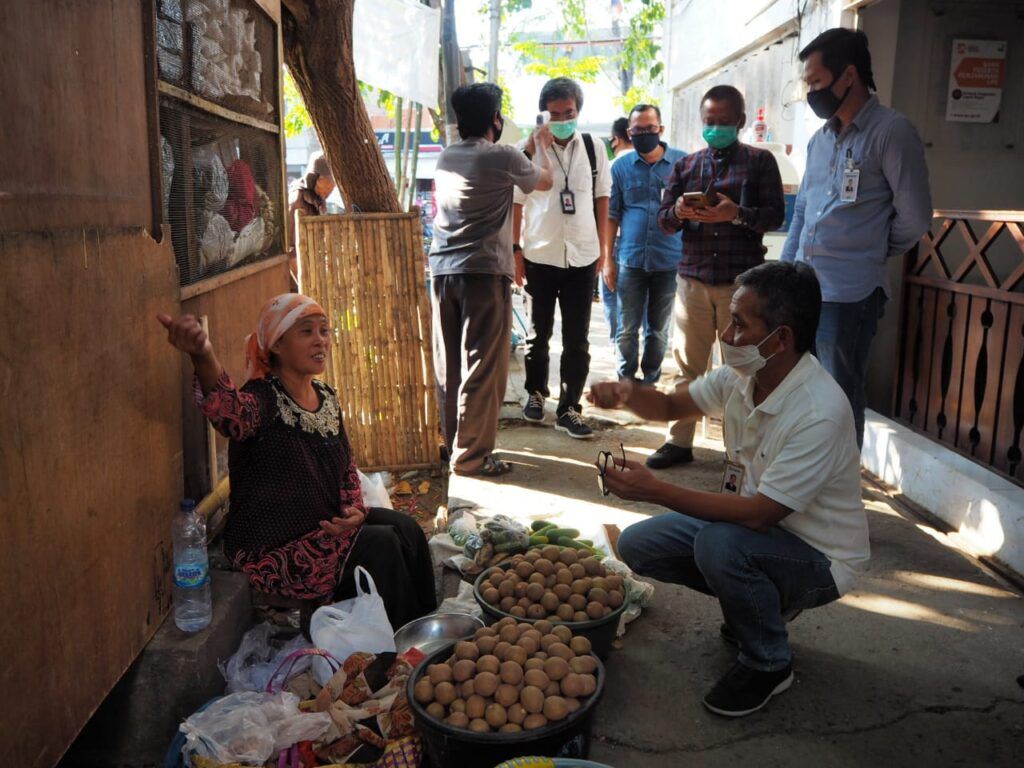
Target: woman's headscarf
<point>276,317</point>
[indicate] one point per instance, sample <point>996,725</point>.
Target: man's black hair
<point>475,106</point>
<point>643,108</point>
<point>561,88</point>
<point>840,48</point>
<point>789,294</point>
<point>620,130</point>
<point>726,93</point>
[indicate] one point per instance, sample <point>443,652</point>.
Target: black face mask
<point>824,103</point>
<point>646,143</point>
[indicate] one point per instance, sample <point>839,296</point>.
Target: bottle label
<point>191,575</point>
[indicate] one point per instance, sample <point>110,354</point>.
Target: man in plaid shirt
<point>720,241</point>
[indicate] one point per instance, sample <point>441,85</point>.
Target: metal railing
<point>960,376</point>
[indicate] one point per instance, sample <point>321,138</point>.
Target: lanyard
<point>565,171</point>
<point>717,176</point>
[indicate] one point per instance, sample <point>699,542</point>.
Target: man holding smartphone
<point>724,198</point>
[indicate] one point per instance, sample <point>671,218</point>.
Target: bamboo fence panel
<point>366,271</point>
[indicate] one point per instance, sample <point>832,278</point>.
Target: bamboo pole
<point>405,158</point>
<point>398,147</point>
<point>415,156</point>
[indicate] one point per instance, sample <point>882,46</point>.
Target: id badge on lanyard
<point>568,198</point>
<point>732,478</point>
<point>851,180</point>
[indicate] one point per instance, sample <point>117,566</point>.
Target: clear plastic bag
<point>250,727</point>
<point>257,657</point>
<point>499,535</point>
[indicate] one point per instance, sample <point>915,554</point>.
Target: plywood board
<point>232,310</point>
<point>90,474</point>
<point>73,127</point>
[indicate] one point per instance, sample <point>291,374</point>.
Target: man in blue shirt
<point>643,272</point>
<point>864,198</point>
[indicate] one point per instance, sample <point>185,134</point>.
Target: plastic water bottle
<point>192,604</point>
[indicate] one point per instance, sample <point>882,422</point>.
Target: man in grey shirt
<point>864,199</point>
<point>472,269</point>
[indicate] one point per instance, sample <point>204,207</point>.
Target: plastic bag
<point>358,624</point>
<point>499,535</point>
<point>251,727</point>
<point>253,664</point>
<point>375,493</point>
<point>461,529</point>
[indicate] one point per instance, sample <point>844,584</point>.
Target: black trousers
<point>392,547</point>
<point>572,289</point>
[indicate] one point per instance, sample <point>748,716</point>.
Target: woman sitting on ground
<point>298,526</point>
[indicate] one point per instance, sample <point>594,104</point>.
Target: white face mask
<point>746,360</point>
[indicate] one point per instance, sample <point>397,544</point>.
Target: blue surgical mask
<point>563,129</point>
<point>720,136</point>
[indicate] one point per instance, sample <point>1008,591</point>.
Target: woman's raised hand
<point>185,333</point>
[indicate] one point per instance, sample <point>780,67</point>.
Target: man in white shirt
<point>560,253</point>
<point>793,534</point>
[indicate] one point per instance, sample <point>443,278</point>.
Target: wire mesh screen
<point>222,50</point>
<point>221,190</point>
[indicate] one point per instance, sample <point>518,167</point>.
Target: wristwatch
<point>738,222</point>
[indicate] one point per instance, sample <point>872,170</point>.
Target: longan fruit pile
<point>554,584</point>
<point>510,678</point>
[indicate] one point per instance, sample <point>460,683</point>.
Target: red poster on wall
<point>977,71</point>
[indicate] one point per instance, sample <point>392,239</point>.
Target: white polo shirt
<point>798,448</point>
<point>561,239</point>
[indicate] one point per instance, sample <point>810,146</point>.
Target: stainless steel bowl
<point>430,633</point>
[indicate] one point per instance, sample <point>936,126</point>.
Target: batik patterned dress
<point>290,468</point>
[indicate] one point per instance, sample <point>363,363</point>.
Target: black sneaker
<point>572,424</point>
<point>669,454</point>
<point>534,410</point>
<point>743,690</point>
<point>729,637</point>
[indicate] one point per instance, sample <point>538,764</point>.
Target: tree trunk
<point>318,51</point>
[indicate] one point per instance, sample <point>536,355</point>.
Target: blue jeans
<point>845,332</point>
<point>610,301</point>
<point>755,576</point>
<point>644,297</point>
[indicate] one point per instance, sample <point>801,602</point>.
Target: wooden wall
<point>231,310</point>
<point>90,473</point>
<point>91,396</point>
<point>73,125</point>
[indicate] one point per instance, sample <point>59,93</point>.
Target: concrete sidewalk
<point>918,666</point>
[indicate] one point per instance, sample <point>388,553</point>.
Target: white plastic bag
<point>375,493</point>
<point>257,658</point>
<point>359,624</point>
<point>251,727</point>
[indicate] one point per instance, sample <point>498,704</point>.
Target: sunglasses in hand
<point>604,460</point>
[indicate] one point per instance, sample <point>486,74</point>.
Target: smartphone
<point>696,199</point>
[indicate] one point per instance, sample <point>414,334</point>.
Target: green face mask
<point>563,129</point>
<point>720,136</point>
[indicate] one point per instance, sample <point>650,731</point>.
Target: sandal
<point>494,467</point>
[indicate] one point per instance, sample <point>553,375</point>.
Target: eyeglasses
<point>604,458</point>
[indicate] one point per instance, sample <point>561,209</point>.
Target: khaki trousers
<point>472,344</point>
<point>701,315</point>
